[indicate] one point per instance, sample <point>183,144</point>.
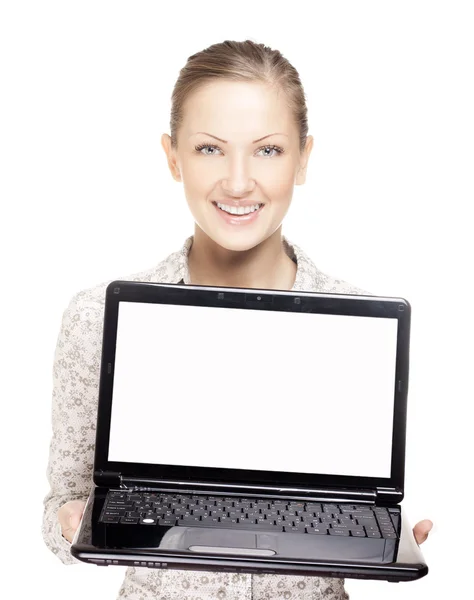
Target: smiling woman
<point>239,144</point>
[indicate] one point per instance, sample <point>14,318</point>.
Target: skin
<point>237,256</point>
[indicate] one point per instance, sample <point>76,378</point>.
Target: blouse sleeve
<point>76,369</point>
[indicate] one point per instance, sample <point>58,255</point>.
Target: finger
<point>69,516</point>
<point>69,526</point>
<point>421,530</point>
<point>68,533</point>
<point>75,519</point>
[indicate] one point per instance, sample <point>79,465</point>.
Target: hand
<point>421,530</point>
<point>69,515</point>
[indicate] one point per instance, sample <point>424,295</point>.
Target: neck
<point>266,266</point>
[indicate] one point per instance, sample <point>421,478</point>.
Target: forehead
<point>237,109</point>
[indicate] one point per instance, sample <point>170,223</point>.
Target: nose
<point>238,181</point>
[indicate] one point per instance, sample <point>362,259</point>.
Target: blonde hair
<point>239,61</point>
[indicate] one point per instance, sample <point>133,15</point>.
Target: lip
<point>239,219</point>
<point>236,203</point>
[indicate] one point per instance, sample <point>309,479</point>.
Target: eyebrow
<point>254,142</point>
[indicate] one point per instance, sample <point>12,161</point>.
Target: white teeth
<point>241,210</point>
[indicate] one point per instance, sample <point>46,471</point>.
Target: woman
<point>238,144</point>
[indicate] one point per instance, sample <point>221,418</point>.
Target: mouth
<point>239,216</point>
<point>238,211</point>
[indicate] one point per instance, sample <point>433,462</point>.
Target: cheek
<point>199,176</point>
<point>196,182</point>
<point>278,187</point>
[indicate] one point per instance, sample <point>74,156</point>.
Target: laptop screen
<point>253,389</point>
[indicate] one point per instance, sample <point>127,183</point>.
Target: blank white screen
<point>253,389</point>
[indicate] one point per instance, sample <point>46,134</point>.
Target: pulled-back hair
<point>239,61</point>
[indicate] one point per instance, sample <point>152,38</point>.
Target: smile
<point>241,215</point>
<point>239,210</point>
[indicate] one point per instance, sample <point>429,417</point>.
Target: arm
<point>76,371</point>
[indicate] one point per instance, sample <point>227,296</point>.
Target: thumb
<point>70,515</point>
<point>74,519</point>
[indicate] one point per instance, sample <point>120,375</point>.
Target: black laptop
<point>254,431</point>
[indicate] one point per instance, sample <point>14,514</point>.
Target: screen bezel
<point>262,299</point>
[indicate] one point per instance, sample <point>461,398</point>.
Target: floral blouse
<point>76,370</point>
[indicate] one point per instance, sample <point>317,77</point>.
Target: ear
<point>301,174</point>
<point>171,157</point>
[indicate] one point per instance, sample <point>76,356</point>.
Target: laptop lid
<point>253,390</point>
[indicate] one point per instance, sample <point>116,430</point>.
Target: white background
<point>86,196</point>
<point>302,411</point>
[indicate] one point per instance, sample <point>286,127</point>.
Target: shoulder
<point>311,279</point>
<point>168,270</point>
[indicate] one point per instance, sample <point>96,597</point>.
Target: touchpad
<point>219,540</point>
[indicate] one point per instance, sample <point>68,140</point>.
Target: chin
<point>239,242</point>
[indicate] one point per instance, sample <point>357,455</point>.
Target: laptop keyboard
<point>188,510</point>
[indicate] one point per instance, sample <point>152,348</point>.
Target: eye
<point>201,146</point>
<point>277,149</point>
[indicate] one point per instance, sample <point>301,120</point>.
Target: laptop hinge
<point>386,494</point>
<point>109,479</point>
<point>195,487</point>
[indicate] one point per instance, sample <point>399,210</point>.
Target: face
<point>239,172</point>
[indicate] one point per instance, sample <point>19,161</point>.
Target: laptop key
<point>110,519</point>
<point>357,532</point>
<point>310,506</point>
<point>129,520</point>
<point>317,530</point>
<point>148,520</point>
<point>167,521</point>
<point>294,529</point>
<point>339,532</point>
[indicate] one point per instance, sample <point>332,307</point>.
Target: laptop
<point>251,430</point>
